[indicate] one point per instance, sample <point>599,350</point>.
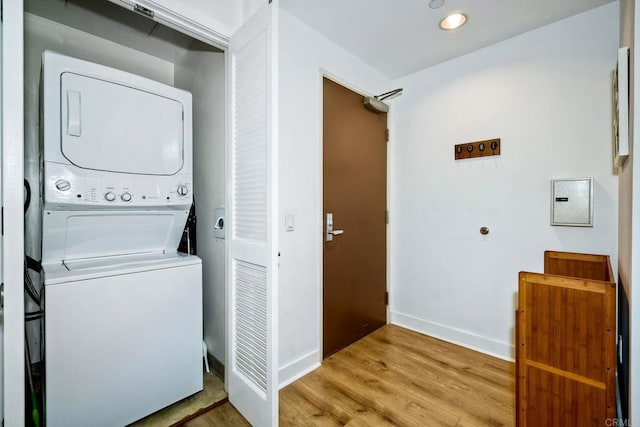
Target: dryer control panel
<point>66,190</point>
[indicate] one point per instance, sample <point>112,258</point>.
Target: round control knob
<point>126,197</point>
<point>110,196</point>
<point>63,185</point>
<point>183,190</point>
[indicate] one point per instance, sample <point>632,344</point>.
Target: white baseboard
<point>298,368</point>
<point>455,336</point>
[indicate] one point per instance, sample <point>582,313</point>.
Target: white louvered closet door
<point>251,208</point>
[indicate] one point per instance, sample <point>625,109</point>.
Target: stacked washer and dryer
<point>123,308</point>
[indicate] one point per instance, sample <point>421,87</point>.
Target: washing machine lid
<point>137,262</point>
<point>73,271</point>
<point>80,235</point>
<point>112,127</point>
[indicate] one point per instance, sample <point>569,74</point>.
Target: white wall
<point>304,54</point>
<point>629,217</point>
<point>249,7</point>
<point>43,34</point>
<point>203,74</point>
<point>547,95</point>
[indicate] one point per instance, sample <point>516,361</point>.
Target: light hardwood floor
<point>395,377</point>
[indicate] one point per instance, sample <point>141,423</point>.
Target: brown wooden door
<point>355,192</point>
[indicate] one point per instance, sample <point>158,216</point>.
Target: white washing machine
<point>122,341</point>
<point>123,309</point>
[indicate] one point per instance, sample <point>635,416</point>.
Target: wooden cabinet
<point>565,338</point>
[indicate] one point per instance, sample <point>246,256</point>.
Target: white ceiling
<point>399,37</point>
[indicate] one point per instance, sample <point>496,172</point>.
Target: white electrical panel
<point>572,202</point>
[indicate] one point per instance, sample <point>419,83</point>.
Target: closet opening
<point>107,34</point>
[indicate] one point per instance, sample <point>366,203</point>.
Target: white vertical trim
<point>1,275</point>
<point>273,207</point>
<point>320,218</point>
<point>12,202</point>
<point>228,194</point>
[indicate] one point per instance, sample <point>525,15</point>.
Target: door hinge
<point>386,217</point>
<point>386,135</point>
<point>386,298</point>
<point>143,11</point>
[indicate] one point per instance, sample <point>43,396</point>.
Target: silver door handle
<point>330,232</point>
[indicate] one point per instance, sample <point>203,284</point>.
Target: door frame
<point>13,217</point>
<point>324,73</point>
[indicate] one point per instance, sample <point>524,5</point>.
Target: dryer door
<point>112,127</point>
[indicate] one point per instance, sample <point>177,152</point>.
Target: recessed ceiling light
<point>453,21</point>
<point>436,4</point>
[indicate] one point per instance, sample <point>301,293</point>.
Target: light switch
<point>572,202</point>
<point>288,223</point>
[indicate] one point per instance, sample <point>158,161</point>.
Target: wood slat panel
<point>584,266</point>
<point>566,329</point>
<point>565,342</point>
<point>549,397</point>
<point>565,282</point>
